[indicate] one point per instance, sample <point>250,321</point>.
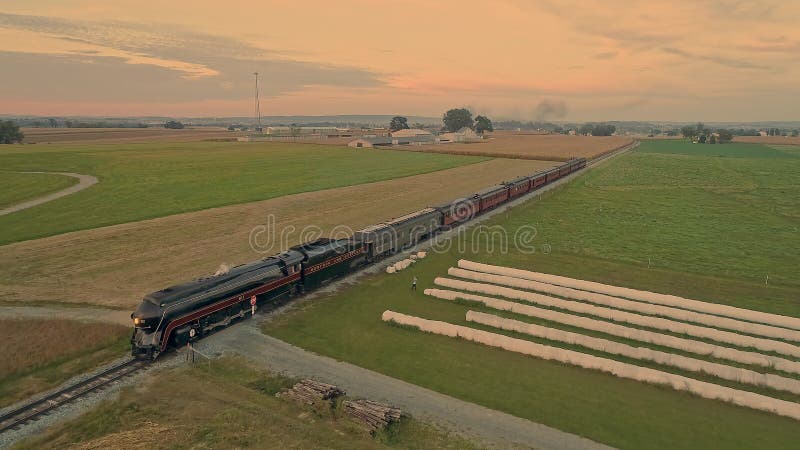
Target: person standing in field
<point>414,283</point>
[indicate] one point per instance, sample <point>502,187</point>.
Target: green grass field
<point>142,181</point>
<point>19,187</point>
<point>712,226</point>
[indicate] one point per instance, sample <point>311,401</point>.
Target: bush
<point>9,133</point>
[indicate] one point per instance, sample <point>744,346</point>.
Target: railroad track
<point>33,410</point>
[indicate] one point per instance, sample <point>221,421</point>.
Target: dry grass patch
<point>551,147</point>
<point>227,405</point>
<point>40,354</point>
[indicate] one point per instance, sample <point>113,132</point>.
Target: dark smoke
<point>550,109</point>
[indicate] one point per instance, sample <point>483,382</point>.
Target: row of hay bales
<point>728,337</point>
<point>630,305</point>
<point>619,369</point>
<point>635,334</point>
<point>403,264</point>
<point>723,371</point>
<point>645,296</point>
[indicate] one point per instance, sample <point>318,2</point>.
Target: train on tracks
<point>179,314</point>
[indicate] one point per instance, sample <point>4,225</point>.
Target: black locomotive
<point>175,315</point>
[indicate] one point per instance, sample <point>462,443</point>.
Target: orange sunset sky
<point>719,60</point>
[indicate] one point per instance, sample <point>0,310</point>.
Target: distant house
<point>463,135</point>
<point>763,133</point>
<point>411,132</point>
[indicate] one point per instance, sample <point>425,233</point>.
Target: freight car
<point>173,316</point>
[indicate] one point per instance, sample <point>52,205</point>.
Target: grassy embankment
<point>142,181</point>
<point>41,354</point>
<point>226,405</point>
<point>19,187</point>
<point>713,221</point>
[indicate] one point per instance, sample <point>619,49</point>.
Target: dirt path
<point>72,313</point>
<point>494,427</point>
<point>119,264</point>
<point>84,181</point>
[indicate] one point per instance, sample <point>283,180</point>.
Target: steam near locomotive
<point>173,316</point>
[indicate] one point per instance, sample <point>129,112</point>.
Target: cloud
<point>716,59</point>
<point>606,55</point>
<point>144,61</point>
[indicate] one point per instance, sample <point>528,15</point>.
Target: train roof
<point>230,279</point>
<point>397,220</point>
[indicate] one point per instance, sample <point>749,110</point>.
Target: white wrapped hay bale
<point>645,296</point>
<point>737,374</point>
<point>627,317</point>
<point>391,269</point>
<point>630,305</point>
<point>422,255</point>
<point>664,340</point>
<point>619,369</point>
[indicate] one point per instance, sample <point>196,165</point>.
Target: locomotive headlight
<point>137,321</point>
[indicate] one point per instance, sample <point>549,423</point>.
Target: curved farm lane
<point>83,314</point>
<point>84,181</point>
<point>494,427</point>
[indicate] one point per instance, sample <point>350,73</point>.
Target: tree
<point>603,130</point>
<point>398,123</point>
<point>795,132</point>
<point>702,139</point>
<point>725,136</point>
<point>712,139</point>
<point>689,131</point>
<point>483,123</point>
<point>173,125</point>
<point>53,123</point>
<point>9,133</point>
<point>456,119</point>
<point>586,129</point>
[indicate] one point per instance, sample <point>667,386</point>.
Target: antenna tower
<point>259,128</point>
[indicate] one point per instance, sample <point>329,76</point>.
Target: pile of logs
<point>372,414</point>
<point>310,391</point>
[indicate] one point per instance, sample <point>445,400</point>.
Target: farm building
<point>408,132</point>
<point>378,141</point>
<point>463,135</point>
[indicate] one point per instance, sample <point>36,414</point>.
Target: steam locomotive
<point>178,314</point>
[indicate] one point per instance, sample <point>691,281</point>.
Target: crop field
<point>238,409</point>
<point>153,180</point>
<point>771,140</point>
<point>19,187</point>
<point>551,147</point>
<point>36,356</point>
<point>117,265</point>
<point>670,217</point>
<point>124,135</point>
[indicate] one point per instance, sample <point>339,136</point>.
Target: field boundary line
<point>84,182</point>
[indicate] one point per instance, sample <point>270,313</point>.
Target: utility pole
<point>259,128</point>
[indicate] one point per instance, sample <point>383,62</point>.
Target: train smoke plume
<point>223,269</point>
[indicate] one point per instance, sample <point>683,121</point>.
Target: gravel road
<point>84,181</point>
<point>491,427</point>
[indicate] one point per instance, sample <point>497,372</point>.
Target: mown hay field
<point>226,405</point>
<point>143,181</point>
<point>664,218</point>
<point>117,265</point>
<point>551,147</point>
<point>40,354</point>
<point>771,140</point>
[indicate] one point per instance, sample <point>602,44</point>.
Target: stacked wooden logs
<point>310,391</point>
<point>373,415</point>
